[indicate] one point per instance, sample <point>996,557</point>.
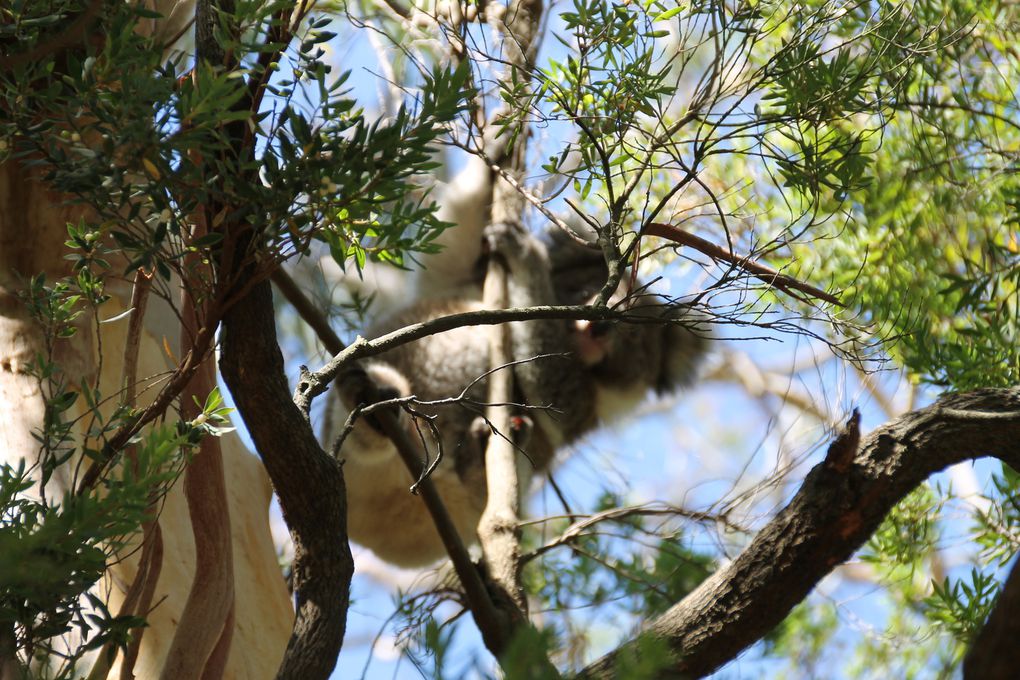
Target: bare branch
<point>498,528</point>
<point>307,311</point>
<point>489,621</point>
<point>783,282</point>
<point>656,509</point>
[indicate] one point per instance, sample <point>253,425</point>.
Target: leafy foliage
<point>870,148</point>
<point>55,549</point>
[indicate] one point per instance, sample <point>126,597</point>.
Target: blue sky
<point>711,443</point>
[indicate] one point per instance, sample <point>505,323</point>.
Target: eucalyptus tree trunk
<point>32,233</point>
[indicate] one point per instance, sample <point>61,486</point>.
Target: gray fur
<point>574,391</point>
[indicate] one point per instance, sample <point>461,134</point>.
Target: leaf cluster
<point>53,551</point>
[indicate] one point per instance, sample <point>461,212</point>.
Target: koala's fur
<point>601,370</point>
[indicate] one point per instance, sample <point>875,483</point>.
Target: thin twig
<point>765,273</point>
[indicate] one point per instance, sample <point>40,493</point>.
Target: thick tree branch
<point>307,480</point>
<point>831,516</point>
<point>498,529</point>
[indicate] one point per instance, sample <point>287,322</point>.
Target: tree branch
<point>831,516</point>
<point>498,529</point>
<point>489,621</point>
<point>361,348</point>
<point>202,637</point>
<point>783,282</point>
<point>308,481</point>
<point>308,311</point>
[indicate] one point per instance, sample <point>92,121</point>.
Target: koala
<point>597,371</point>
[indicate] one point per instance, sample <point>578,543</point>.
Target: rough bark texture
<point>831,516</point>
<point>308,482</point>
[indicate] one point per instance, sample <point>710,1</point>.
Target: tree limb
<point>309,483</point>
<point>308,311</point>
<point>498,529</point>
<point>489,621</point>
<point>783,282</point>
<point>831,516</point>
<point>307,480</point>
<point>202,637</point>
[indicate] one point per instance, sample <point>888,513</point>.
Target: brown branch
<point>843,449</point>
<point>150,565</point>
<point>200,347</point>
<point>308,482</point>
<point>139,301</point>
<point>138,597</point>
<point>210,601</point>
<point>831,516</point>
<point>308,311</point>
<point>491,623</point>
<point>994,654</point>
<point>783,282</point>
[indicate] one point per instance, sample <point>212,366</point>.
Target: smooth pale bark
<point>32,232</point>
